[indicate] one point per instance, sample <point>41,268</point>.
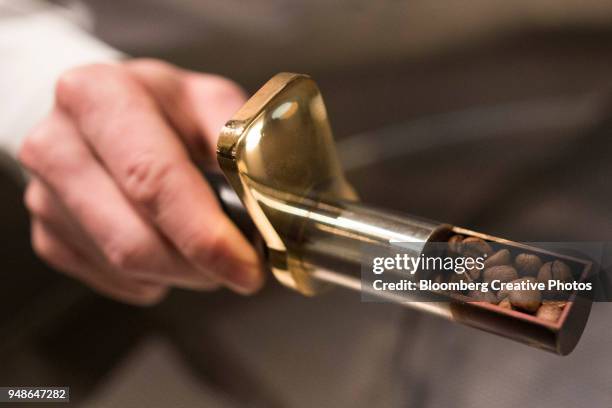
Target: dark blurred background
<point>488,115</point>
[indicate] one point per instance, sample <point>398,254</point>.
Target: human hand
<point>115,197</point>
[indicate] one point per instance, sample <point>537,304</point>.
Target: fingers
<point>48,210</point>
<point>42,204</point>
<point>50,247</point>
<point>100,213</point>
<point>196,105</point>
<point>141,151</point>
<point>114,189</point>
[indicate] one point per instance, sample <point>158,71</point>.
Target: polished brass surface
<point>279,156</point>
<point>279,149</point>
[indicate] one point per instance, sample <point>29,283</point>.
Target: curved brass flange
<point>278,153</point>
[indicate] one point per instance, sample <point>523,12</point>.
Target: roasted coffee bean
<point>555,270</point>
<point>528,264</point>
<point>479,296</point>
<point>499,265</point>
<point>503,273</point>
<point>501,257</point>
<point>475,247</point>
<point>458,278</point>
<point>528,299</point>
<point>474,273</point>
<point>549,312</point>
<point>558,303</point>
<point>454,244</point>
<point>504,293</point>
<point>505,304</point>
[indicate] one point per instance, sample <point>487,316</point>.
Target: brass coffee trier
<point>279,157</point>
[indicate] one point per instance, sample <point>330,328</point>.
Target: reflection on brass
<point>278,154</point>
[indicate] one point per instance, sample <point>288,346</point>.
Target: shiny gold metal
<point>278,154</point>
<point>278,149</point>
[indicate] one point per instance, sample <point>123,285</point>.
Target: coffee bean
<point>549,312</point>
<point>505,304</point>
<point>499,265</point>
<point>558,303</point>
<point>528,299</point>
<point>475,247</point>
<point>528,264</point>
<point>504,293</point>
<point>562,271</point>
<point>555,270</point>
<point>479,296</point>
<point>474,273</point>
<point>458,278</point>
<point>454,244</point>
<point>501,257</point>
<point>503,273</point>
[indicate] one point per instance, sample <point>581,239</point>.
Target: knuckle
<point>35,147</point>
<point>147,180</point>
<point>28,153</point>
<point>213,89</point>
<point>44,247</point>
<point>123,256</point>
<point>72,83</point>
<point>45,154</point>
<point>220,88</point>
<point>49,148</point>
<point>130,256</point>
<point>35,201</point>
<point>80,86</point>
